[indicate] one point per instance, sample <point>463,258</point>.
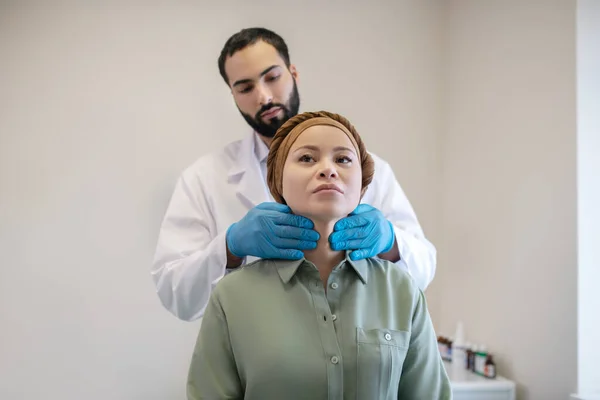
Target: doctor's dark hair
<point>247,37</point>
<point>279,149</point>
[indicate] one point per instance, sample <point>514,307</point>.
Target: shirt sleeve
<point>213,373</point>
<point>423,374</point>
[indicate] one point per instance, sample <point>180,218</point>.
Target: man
<point>221,214</point>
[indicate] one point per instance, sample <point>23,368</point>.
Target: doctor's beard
<point>269,129</point>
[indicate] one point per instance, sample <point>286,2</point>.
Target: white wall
<point>508,256</point>
<point>588,196</point>
<point>102,105</point>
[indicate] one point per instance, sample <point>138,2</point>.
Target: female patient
<point>323,327</point>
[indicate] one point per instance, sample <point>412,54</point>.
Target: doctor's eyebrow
<point>266,71</point>
<point>315,148</point>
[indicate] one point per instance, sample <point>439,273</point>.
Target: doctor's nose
<point>265,96</point>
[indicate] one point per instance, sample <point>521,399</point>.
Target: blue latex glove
<point>365,231</point>
<point>270,230</point>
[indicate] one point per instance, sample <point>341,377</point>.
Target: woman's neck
<point>324,258</point>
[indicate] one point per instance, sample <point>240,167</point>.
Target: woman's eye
<point>344,160</point>
<point>306,158</point>
<point>273,78</point>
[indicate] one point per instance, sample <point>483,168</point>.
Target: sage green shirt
<point>272,332</point>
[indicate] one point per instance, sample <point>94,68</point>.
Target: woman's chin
<point>325,213</point>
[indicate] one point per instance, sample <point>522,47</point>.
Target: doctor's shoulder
<point>382,168</point>
<point>213,166</point>
<point>383,178</point>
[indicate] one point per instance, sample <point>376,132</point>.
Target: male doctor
<point>221,214</point>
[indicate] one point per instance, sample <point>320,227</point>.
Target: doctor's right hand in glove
<point>270,230</point>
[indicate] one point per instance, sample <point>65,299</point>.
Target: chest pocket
<point>380,357</point>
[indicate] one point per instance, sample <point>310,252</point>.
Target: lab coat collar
<point>246,172</point>
<point>288,268</point>
<point>244,157</point>
<point>260,149</point>
<point>251,150</point>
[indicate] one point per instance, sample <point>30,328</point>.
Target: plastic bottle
<point>473,357</point>
<point>480,360</point>
<point>441,345</point>
<point>490,367</point>
<point>469,353</point>
<point>445,348</point>
<point>459,349</point>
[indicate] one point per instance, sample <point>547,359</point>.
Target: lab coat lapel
<point>251,188</point>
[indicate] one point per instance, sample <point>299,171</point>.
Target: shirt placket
<point>324,303</point>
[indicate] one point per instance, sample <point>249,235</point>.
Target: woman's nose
<point>328,172</point>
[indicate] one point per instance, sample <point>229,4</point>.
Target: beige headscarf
<point>289,132</point>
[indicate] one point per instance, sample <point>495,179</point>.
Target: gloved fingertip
<point>308,245</point>
<point>296,255</point>
<point>340,225</point>
<point>337,246</point>
<point>361,208</point>
<point>338,237</point>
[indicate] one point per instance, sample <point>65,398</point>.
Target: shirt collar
<point>261,151</point>
<point>288,268</point>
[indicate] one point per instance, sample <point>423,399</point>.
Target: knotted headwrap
<point>288,133</point>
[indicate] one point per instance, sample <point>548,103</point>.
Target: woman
<point>324,327</point>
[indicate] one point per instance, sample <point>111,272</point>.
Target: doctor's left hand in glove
<point>367,233</point>
<point>222,202</point>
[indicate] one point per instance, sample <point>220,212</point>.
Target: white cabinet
<point>469,386</point>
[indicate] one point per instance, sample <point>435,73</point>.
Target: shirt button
<point>334,360</point>
<point>388,336</point>
<point>334,285</point>
<point>334,317</point>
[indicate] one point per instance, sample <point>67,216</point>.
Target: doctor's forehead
<point>252,62</point>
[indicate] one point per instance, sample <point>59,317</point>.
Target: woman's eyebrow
<point>307,147</point>
<point>315,148</point>
<point>339,148</point>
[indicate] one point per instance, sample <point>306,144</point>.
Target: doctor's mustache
<point>269,106</point>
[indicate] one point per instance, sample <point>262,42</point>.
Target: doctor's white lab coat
<point>218,190</point>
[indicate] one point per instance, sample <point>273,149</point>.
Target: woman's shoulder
<point>252,270</point>
<point>387,272</point>
<point>252,284</point>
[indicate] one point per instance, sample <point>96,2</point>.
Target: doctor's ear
<point>294,72</point>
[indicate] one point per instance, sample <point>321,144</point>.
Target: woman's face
<point>322,176</point>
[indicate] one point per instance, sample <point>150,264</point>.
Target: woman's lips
<point>328,188</point>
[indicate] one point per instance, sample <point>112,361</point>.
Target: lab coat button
<point>334,360</point>
<point>388,336</point>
